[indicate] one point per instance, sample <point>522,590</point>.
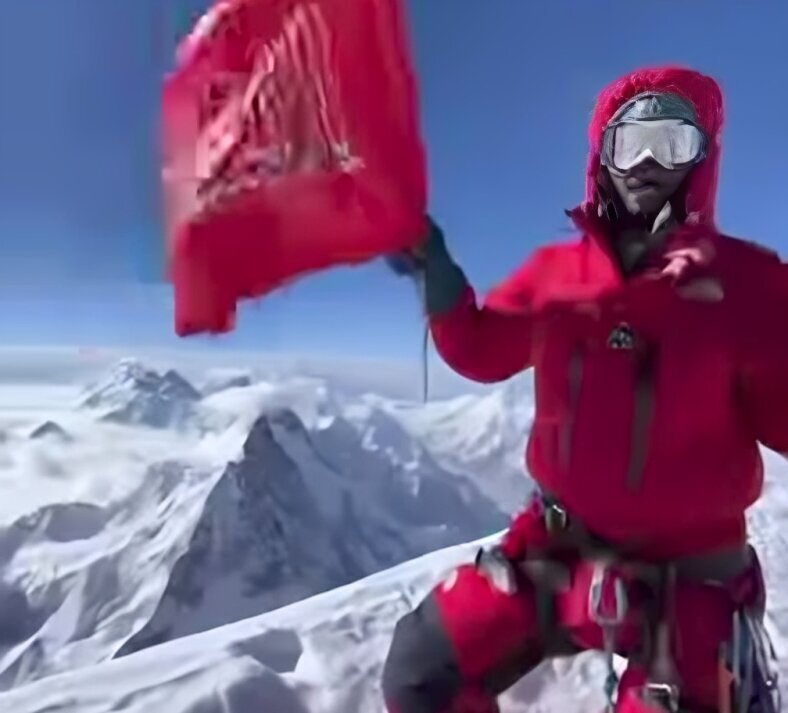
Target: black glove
<point>444,281</point>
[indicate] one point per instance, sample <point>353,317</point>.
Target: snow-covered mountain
<point>289,520</point>
<point>51,429</point>
<point>480,436</point>
<point>135,394</point>
<point>217,380</point>
<point>171,515</point>
<point>325,654</point>
<point>269,493</point>
<point>84,578</point>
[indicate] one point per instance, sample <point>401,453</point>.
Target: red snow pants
<point>473,637</point>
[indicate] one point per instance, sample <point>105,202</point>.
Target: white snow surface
<point>184,554</point>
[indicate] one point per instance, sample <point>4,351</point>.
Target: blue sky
<point>507,87</point>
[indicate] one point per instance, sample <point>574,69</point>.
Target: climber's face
<point>648,155</point>
<point>646,187</point>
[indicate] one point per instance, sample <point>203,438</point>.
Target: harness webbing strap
<point>658,610</point>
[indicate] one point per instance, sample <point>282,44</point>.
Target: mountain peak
<point>133,393</point>
<point>224,379</point>
<point>50,429</point>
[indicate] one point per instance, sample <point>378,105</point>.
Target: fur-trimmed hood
<point>705,95</point>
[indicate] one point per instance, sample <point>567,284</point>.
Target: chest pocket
<point>597,378</point>
<point>560,367</point>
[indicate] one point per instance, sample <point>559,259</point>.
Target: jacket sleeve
<point>495,341</point>
<point>764,366</point>
<point>481,343</point>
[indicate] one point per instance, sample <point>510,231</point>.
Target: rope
<point>420,282</point>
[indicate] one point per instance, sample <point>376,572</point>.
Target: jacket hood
<point>703,93</point>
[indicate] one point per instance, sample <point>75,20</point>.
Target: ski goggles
<point>672,143</point>
<point>663,127</point>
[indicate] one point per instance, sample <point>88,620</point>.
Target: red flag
<point>291,144</point>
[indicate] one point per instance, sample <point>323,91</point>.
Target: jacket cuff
<point>445,286</point>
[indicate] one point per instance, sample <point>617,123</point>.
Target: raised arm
<point>478,342</point>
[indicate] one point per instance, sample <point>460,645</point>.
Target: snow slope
<point>90,576</point>
<point>321,655</point>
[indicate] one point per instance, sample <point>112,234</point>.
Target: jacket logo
<point>622,337</point>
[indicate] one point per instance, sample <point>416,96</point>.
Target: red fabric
<point>291,144</point>
<point>486,625</point>
<point>527,535</point>
<point>469,340</point>
<point>717,366</point>
<point>630,688</point>
<point>764,358</point>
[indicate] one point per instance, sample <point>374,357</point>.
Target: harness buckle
<point>607,597</point>
<point>607,606</point>
<point>664,695</point>
<point>556,518</point>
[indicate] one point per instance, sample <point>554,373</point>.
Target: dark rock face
<point>285,522</point>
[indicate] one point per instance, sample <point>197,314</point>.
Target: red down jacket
<point>655,446</point>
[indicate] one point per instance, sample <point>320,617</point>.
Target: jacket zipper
<point>644,398</point>
<point>641,420</point>
<point>575,383</point>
